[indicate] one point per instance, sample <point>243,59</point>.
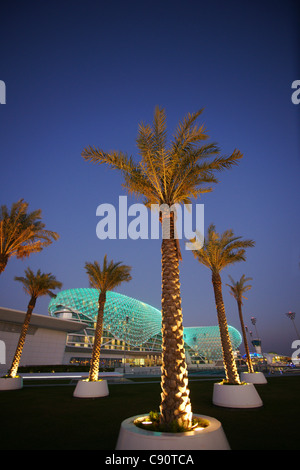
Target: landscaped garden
<point>55,417</point>
<point>50,418</point>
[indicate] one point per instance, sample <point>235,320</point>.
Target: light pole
<point>125,328</point>
<point>258,348</point>
<point>249,333</point>
<point>253,321</point>
<point>292,315</point>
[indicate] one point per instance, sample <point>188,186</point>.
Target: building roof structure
<point>137,321</point>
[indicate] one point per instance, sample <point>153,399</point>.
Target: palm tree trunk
<point>175,402</point>
<point>94,369</point>
<point>228,358</point>
<point>17,357</point>
<point>249,362</point>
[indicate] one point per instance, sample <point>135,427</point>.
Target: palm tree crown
<point>238,288</point>
<point>22,233</point>
<point>39,284</point>
<point>218,251</point>
<point>109,276</point>
<point>168,174</point>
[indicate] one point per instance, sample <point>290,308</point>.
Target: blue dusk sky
<point>81,73</point>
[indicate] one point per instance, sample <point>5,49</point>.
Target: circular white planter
<point>86,389</point>
<point>133,438</point>
<point>236,396</point>
<point>253,377</point>
<point>9,383</point>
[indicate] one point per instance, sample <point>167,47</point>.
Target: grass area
<point>51,418</point>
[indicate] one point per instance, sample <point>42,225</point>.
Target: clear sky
<point>87,73</point>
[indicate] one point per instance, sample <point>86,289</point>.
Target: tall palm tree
<point>35,285</point>
<point>237,289</point>
<point>167,175</point>
<point>22,233</point>
<point>105,279</point>
<point>217,252</point>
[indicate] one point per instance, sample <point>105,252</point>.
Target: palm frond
<point>188,133</point>
<point>117,160</point>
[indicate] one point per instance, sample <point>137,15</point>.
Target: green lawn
<point>48,417</point>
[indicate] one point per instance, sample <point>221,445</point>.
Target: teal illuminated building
<point>132,328</point>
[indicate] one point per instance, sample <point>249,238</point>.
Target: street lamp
<point>292,315</point>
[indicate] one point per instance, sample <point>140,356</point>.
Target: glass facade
<point>131,325</point>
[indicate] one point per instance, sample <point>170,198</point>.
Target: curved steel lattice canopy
<point>206,340</point>
<point>138,320</point>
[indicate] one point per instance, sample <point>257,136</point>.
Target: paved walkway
<point>70,378</point>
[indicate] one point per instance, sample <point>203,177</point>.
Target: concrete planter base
<point>86,389</point>
<point>9,383</point>
<point>236,396</point>
<point>133,438</point>
<point>253,377</point>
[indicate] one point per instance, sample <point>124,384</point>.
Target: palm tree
<point>217,252</point>
<point>105,279</point>
<point>22,233</point>
<point>167,175</point>
<point>35,285</point>
<point>237,289</point>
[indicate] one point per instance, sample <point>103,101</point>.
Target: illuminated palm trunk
<point>17,357</point>
<point>94,369</point>
<point>228,358</point>
<point>175,402</point>
<point>249,362</point>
